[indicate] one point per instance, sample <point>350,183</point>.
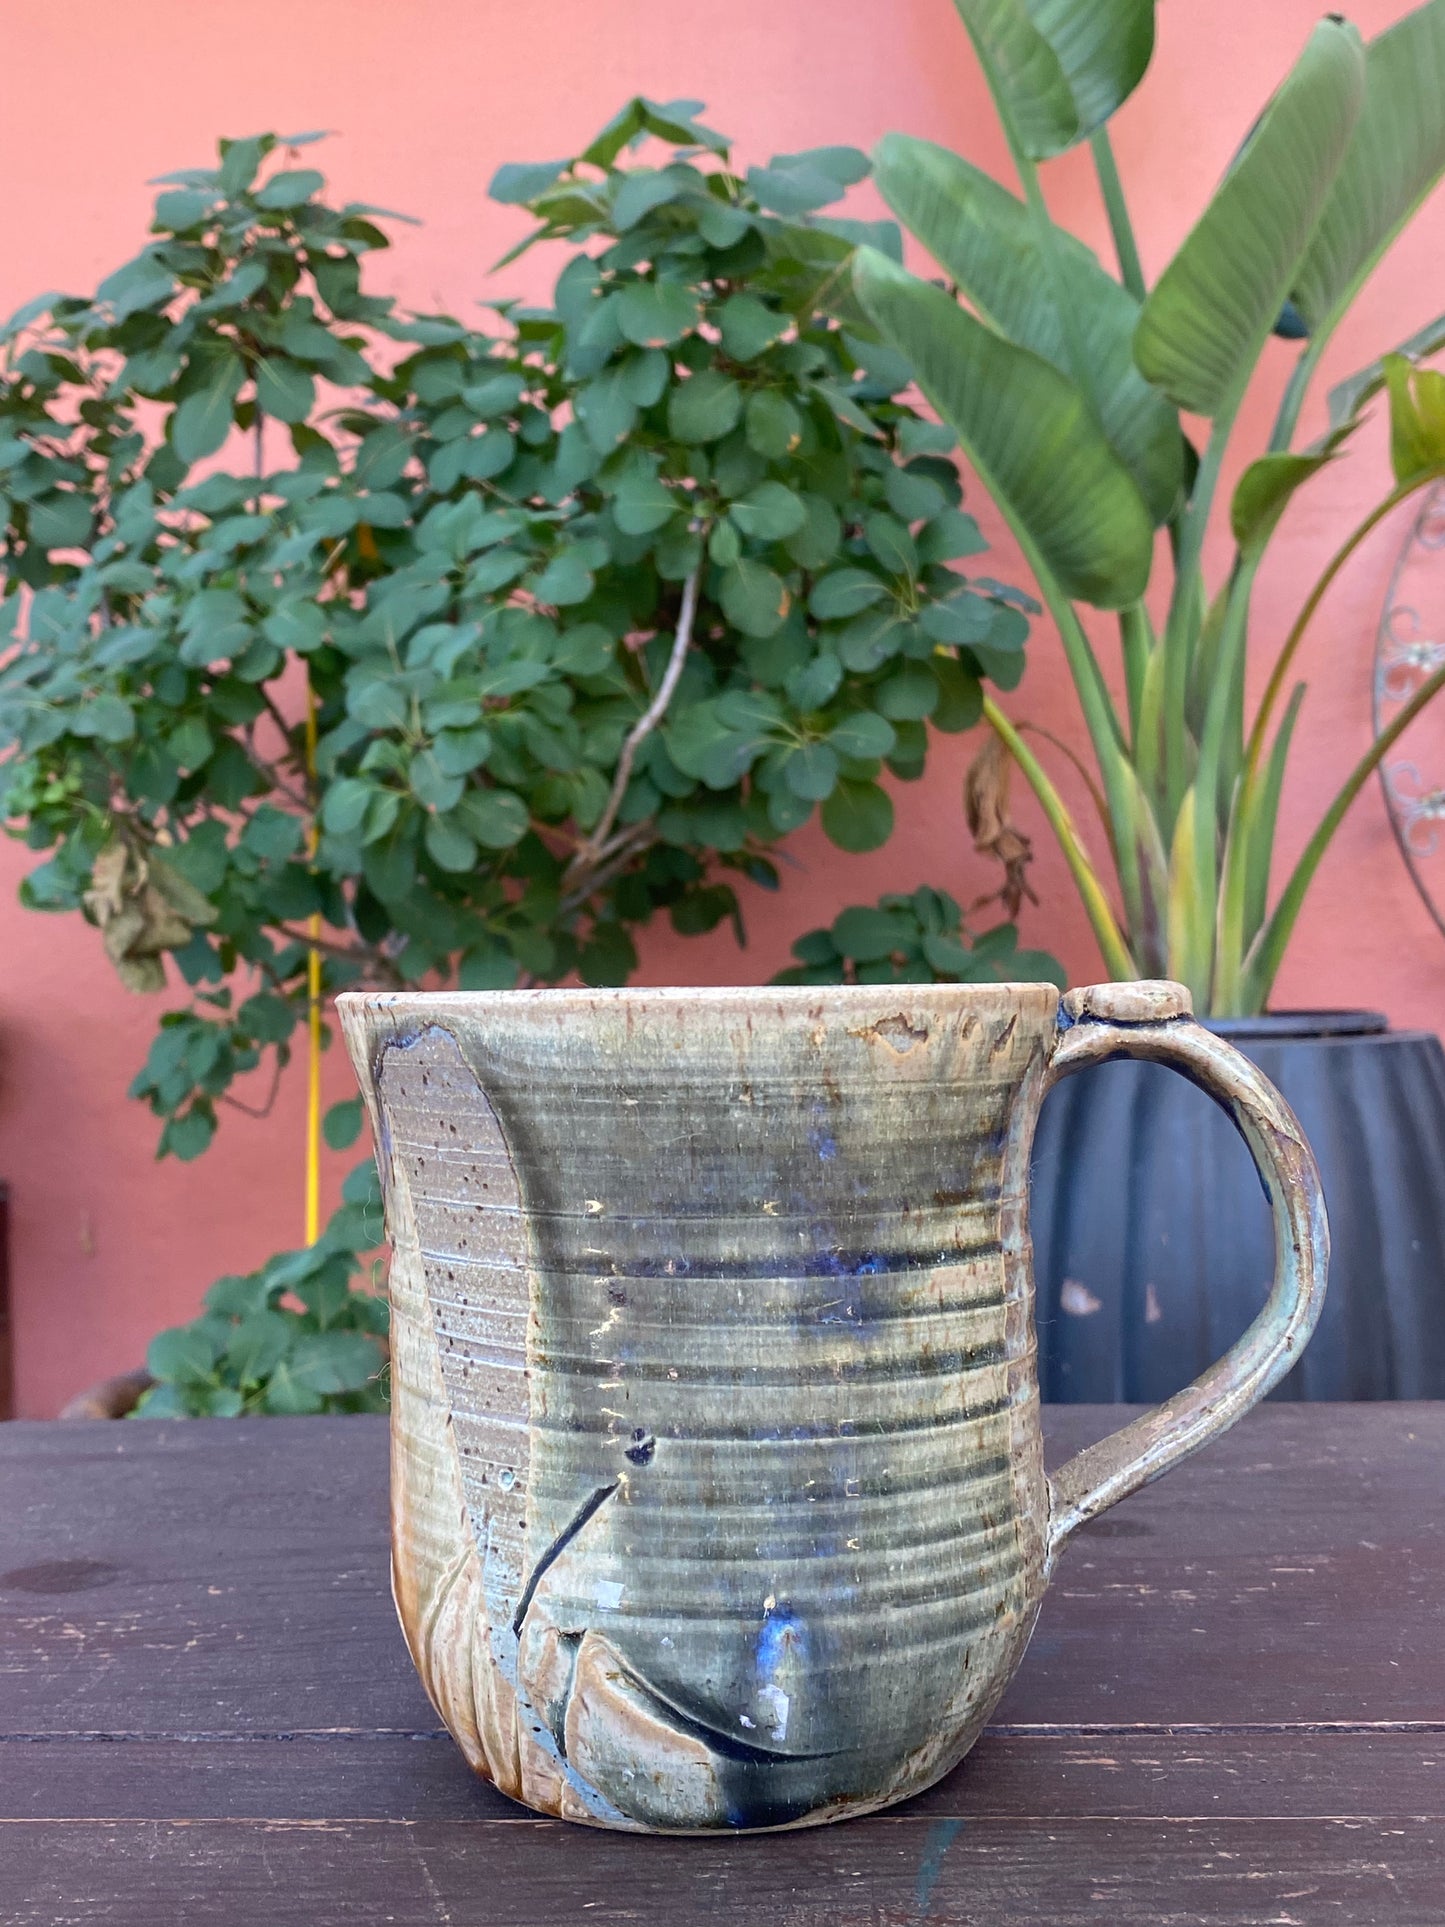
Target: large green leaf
<point>1060,67</point>
<point>986,239</point>
<point>1267,487</point>
<point>1027,430</point>
<point>1348,397</point>
<point>1263,493</point>
<point>1206,320</point>
<point>1396,155</point>
<point>1417,419</point>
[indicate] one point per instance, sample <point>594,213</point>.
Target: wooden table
<point>1233,1709</point>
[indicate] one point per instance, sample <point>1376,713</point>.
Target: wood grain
<point>889,1871</point>
<point>206,1708</point>
<point>1297,1775</point>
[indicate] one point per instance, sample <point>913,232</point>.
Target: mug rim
<point>581,996</point>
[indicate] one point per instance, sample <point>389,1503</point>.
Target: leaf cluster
<point>294,1337</point>
<point>1076,394</point>
<point>923,938</point>
<point>481,646</point>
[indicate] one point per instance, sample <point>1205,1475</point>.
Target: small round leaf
<point>858,816</point>
<point>754,599</point>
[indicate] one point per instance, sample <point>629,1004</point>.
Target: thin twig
<point>1037,729</point>
<point>373,965</point>
<point>589,853</point>
<point>253,1110</point>
<point>279,784</point>
<point>623,841</point>
<point>275,712</point>
<point>610,862</point>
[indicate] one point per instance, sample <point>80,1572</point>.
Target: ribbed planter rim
<point>1276,1024</point>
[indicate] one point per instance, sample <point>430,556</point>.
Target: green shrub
<point>919,939</point>
<point>295,1336</point>
<point>589,609</point>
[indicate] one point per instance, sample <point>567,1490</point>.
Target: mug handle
<point>1155,1021</point>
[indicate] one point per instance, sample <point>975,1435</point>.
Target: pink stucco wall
<point>426,98</point>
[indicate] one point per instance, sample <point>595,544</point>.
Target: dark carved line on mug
<point>590,1506</point>
<point>823,1433</point>
<point>954,1363</point>
<point>579,1091</point>
<point>787,1315</point>
<point>715,1738</point>
<point>835,1263</point>
<point>985,1189</point>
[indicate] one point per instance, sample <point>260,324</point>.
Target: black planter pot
<point>1153,1247</point>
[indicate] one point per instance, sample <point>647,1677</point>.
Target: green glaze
<point>718,1492</point>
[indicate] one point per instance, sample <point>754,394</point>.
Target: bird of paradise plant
<point>1066,386</point>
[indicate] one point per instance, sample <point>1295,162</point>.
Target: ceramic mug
<point>718,1496</point>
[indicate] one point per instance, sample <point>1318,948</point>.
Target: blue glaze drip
<point>781,1636</point>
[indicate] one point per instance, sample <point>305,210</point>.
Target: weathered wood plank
<point>229,1581</point>
<point>199,1577</point>
<point>231,1577</point>
<point>1295,1775</point>
<point>885,1872</point>
<point>246,1779</point>
<point>1293,1572</point>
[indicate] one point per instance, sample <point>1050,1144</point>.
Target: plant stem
<point>1201,501</point>
<point>1282,434</point>
<point>1180,629</point>
<point>1214,775</point>
<point>1400,493</point>
<point>611,861</point>
<point>1117,959</point>
<point>588,853</point>
<point>256,1110</point>
<point>376,967</point>
<point>1267,953</point>
<point>1136,640</point>
<point>1081,770</point>
<point>1131,271</point>
<point>1248,847</point>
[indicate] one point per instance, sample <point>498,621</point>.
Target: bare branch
<point>626,841</point>
<point>613,858</point>
<point>589,854</point>
<point>280,721</point>
<point>377,968</point>
<point>1095,793</point>
<point>255,1110</point>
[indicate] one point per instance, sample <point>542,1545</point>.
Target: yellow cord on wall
<point>313,1014</point>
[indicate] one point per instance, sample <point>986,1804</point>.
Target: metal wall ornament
<point>1409,647</point>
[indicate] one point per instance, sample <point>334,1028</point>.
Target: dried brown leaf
<point>986,809</point>
<point>142,907</point>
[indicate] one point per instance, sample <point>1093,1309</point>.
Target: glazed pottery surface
<point>718,1497</point>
